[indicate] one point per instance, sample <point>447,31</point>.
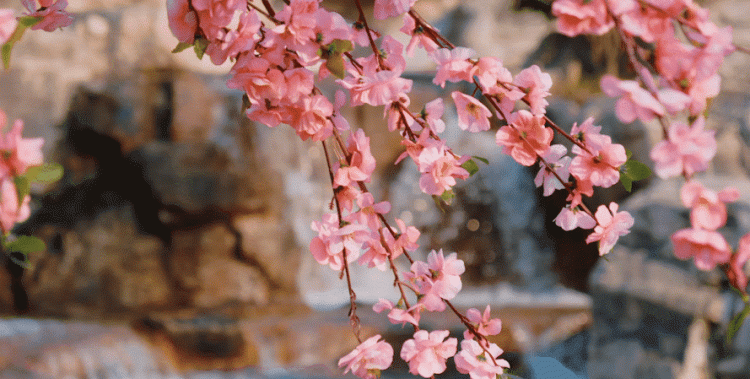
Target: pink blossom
<point>18,153</point>
<point>233,42</point>
<point>398,315</point>
<point>635,101</point>
<point>576,17</point>
<point>736,272</point>
<point>328,247</point>
<point>611,225</point>
<point>438,279</point>
<point>11,209</point>
<point>361,164</point>
<point>600,162</point>
<point>390,8</point>
<point>453,65</point>
<point>214,15</point>
<point>686,150</point>
<point>525,138</point>
<point>571,218</point>
<point>439,169</point>
<point>473,360</point>
<point>559,163</point>
<point>418,36</point>
<point>8,24</point>
<point>376,88</point>
<point>53,15</point>
<point>483,323</point>
<point>707,247</point>
<point>367,359</point>
<point>183,21</point>
<point>369,211</point>
<point>426,353</point>
<point>472,115</point>
<point>496,82</point>
<point>707,208</point>
<point>432,114</point>
<point>536,84</point>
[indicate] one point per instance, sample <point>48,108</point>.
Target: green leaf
<point>481,159</point>
<point>46,173</point>
<point>181,47</point>
<point>335,64</point>
<point>340,46</point>
<point>23,187</point>
<point>199,46</point>
<point>626,182</point>
<point>25,245</point>
<point>471,167</point>
<point>23,23</point>
<point>633,171</point>
<point>628,153</point>
<point>736,323</point>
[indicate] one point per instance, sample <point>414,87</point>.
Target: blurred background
<point>177,241</point>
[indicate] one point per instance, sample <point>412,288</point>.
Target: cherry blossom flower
<point>736,272</point>
<point>600,162</point>
<point>362,163</point>
<point>389,8</point>
<point>328,247</point>
<point>472,115</point>
<point>438,279</point>
<point>432,115</point>
<point>427,352</point>
<point>12,210</point>
<point>611,225</point>
<point>576,17</point>
<point>707,208</point>
<point>525,137</point>
<point>18,153</point>
<point>686,150</point>
<point>635,101</point>
<point>453,65</point>
<point>183,22</point>
<point>53,14</point>
<point>369,211</point>
<point>559,163</point>
<point>473,360</point>
<point>230,43</point>
<point>483,323</point>
<point>367,359</point>
<point>214,15</point>
<point>496,82</point>
<point>418,36</point>
<point>439,167</point>
<point>376,88</point>
<point>707,247</point>
<point>8,24</point>
<point>397,315</point>
<point>573,217</point>
<point>312,119</point>
<point>536,85</point>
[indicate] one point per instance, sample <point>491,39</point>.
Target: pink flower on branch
<point>474,360</point>
<point>361,164</point>
<point>573,217</point>
<point>559,163</point>
<point>51,12</point>
<point>427,352</point>
<point>390,8</point>
<point>707,208</point>
<point>736,272</point>
<point>8,24</point>
<point>437,280</point>
<point>367,359</point>
<point>183,22</point>
<point>600,162</point>
<point>576,17</point>
<point>472,115</point>
<point>536,84</point>
<point>453,65</point>
<point>611,225</point>
<point>635,102</point>
<point>18,153</point>
<point>483,323</point>
<point>686,150</point>
<point>12,210</point>
<point>707,247</point>
<point>525,138</point>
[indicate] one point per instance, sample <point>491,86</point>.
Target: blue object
<point>549,368</point>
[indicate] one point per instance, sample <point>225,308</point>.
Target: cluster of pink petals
<point>686,150</point>
<point>427,352</point>
<point>599,163</point>
<point>707,247</point>
<point>383,245</point>
<point>18,154</point>
<point>367,359</point>
<point>390,8</point>
<point>571,218</point>
<point>634,101</point>
<point>611,226</point>
<point>328,247</point>
<point>473,360</point>
<point>483,323</point>
<point>708,209</point>
<point>453,65</point>
<point>361,164</point>
<point>559,163</point>
<point>398,315</point>
<point>536,84</point>
<point>472,115</point>
<point>418,36</point>
<point>496,82</point>
<point>736,272</point>
<point>576,17</point>
<point>376,87</point>
<point>525,137</point>
<point>52,13</point>
<point>436,280</point>
<point>439,166</point>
